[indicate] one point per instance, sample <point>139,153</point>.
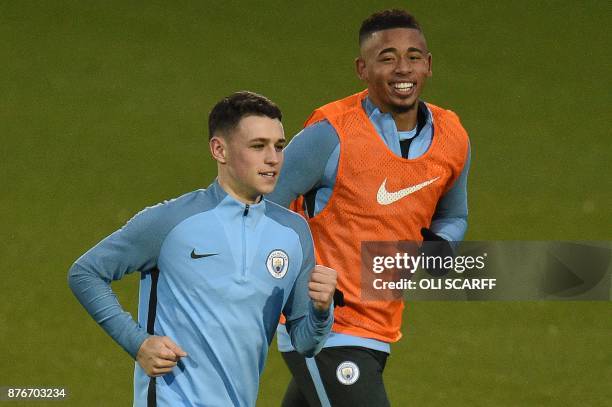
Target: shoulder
<point>320,131</point>
<point>289,219</point>
<point>441,113</point>
<point>285,217</point>
<point>340,107</point>
<point>174,206</point>
<point>162,217</point>
<point>448,119</point>
<point>319,138</point>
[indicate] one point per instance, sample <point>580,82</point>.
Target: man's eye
<point>414,57</point>
<point>279,147</point>
<point>257,146</point>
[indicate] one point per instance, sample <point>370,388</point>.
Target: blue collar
<point>373,111</point>
<point>387,130</point>
<point>231,207</point>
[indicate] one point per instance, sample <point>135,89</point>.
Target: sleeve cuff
<point>321,317</point>
<point>135,343</point>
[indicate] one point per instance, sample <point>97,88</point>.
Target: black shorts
<point>337,376</point>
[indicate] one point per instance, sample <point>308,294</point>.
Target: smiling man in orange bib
<point>378,165</point>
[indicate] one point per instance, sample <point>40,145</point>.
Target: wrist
<point>321,314</point>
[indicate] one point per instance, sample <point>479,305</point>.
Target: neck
<point>234,191</point>
<point>405,121</point>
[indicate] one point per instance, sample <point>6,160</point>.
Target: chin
<point>266,190</point>
<point>404,107</point>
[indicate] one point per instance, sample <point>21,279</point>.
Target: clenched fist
<point>322,286</point>
<point>158,355</point>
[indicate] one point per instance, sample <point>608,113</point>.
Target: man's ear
<point>218,149</point>
<point>360,68</point>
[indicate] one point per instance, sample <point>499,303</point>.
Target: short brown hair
<point>228,112</point>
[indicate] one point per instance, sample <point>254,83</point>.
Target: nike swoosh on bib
<point>385,197</point>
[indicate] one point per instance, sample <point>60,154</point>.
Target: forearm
<point>97,297</point>
<point>450,218</point>
<point>308,333</point>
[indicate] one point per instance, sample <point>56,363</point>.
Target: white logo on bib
<point>385,197</point>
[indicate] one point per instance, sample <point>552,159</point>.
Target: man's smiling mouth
<point>403,87</point>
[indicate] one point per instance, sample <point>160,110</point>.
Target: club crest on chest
<point>277,263</point>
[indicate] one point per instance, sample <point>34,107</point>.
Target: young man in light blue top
<point>218,267</point>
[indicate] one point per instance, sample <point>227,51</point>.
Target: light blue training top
<point>215,276</point>
<point>311,164</point>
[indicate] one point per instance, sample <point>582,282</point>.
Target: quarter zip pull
<point>244,242</point>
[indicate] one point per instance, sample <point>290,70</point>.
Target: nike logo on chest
<point>384,197</point>
<point>194,255</point>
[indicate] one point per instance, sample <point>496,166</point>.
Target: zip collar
<point>229,208</point>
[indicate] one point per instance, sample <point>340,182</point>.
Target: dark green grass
<point>103,108</point>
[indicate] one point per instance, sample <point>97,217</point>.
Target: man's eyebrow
<point>391,49</point>
<point>410,49</point>
<point>415,49</point>
<point>267,140</point>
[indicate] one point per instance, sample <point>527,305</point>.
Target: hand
<point>429,236</point>
<point>434,245</point>
<point>322,286</point>
<point>158,355</point>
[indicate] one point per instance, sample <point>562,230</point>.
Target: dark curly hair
<point>386,19</point>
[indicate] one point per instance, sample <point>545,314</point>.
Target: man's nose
<point>273,156</point>
<point>403,66</point>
